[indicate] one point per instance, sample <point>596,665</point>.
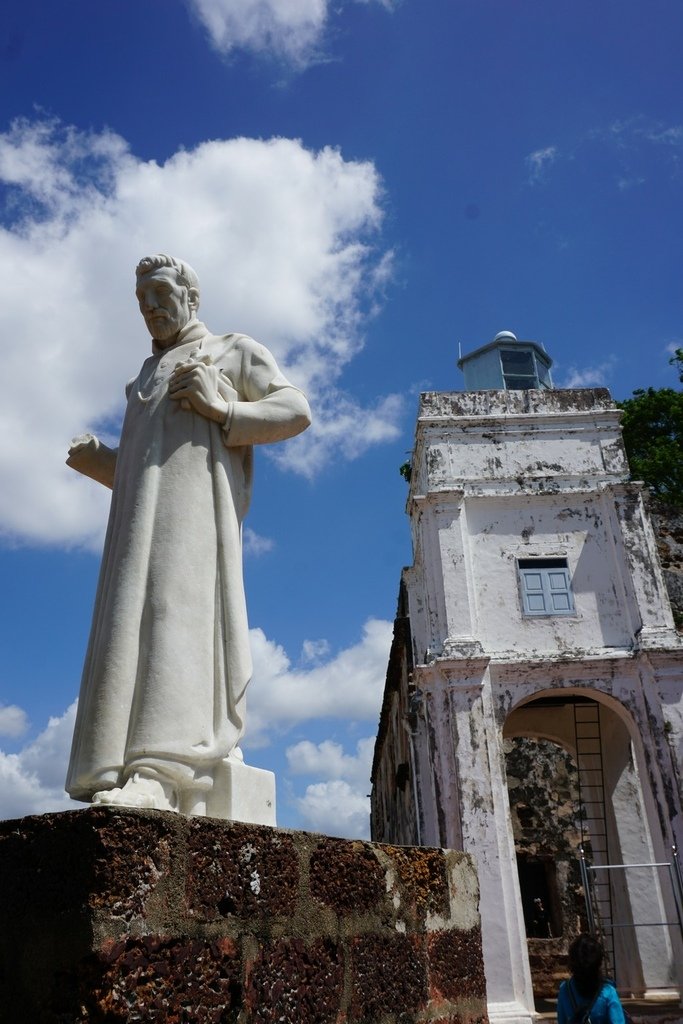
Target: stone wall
<point>122,915</point>
<point>544,805</point>
<point>667,521</point>
<point>394,814</point>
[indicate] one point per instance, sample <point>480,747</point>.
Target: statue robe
<point>168,660</point>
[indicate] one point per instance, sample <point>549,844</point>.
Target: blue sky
<point>362,186</point>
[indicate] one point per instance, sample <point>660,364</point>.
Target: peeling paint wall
<point>499,477</point>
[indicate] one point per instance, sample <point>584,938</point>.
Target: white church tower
<point>536,607</point>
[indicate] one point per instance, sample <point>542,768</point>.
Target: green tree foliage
<point>653,436</point>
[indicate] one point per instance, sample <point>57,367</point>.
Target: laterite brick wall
<point>111,915</point>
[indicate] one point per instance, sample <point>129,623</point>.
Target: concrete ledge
<point>111,914</point>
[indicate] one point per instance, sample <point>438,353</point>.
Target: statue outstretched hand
<point>89,456</point>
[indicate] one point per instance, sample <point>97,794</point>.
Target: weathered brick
<point>423,878</point>
<point>279,926</point>
<point>151,979</point>
<point>121,885</point>
<point>247,871</point>
<point>388,976</point>
<point>346,877</point>
<point>293,981</point>
<point>456,968</point>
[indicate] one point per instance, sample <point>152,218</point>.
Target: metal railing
<point>588,879</point>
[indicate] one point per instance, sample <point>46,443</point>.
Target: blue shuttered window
<point>546,586</point>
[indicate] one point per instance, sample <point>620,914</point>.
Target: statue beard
<point>163,329</point>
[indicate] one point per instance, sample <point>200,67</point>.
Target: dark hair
<point>585,962</point>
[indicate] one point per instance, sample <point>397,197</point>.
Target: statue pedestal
<point>242,793</point>
<point>119,914</point>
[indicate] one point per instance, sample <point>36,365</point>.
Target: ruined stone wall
<point>667,521</point>
<point>122,915</point>
<point>544,804</point>
<point>393,812</point>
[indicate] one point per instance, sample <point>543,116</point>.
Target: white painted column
<point>465,726</point>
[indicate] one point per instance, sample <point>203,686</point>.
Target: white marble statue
<point>161,707</point>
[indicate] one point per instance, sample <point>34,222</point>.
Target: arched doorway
<point>543,790</point>
<point>591,738</point>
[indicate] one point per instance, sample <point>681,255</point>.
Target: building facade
<point>535,607</point>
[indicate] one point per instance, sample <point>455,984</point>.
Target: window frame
<point>536,379</point>
<point>555,582</point>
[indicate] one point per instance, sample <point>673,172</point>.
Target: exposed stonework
<point>667,521</point>
<point>542,782</point>
<point>124,915</point>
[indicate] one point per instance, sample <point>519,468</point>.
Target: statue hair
<point>184,272</point>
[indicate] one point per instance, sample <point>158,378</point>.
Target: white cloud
<point>32,781</point>
<point>283,240</point>
<point>336,809</point>
<point>671,136</point>
<point>339,425</point>
<point>255,544</point>
<point>635,147</point>
<point>327,759</point>
<point>629,131</point>
<point>291,30</point>
<point>624,184</point>
<point>314,650</point>
<point>349,686</point>
<point>539,161</point>
<point>589,376</point>
<point>13,720</point>
<point>339,804</point>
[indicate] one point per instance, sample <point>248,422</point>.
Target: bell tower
<point>535,590</point>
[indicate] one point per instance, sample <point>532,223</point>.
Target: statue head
<point>167,290</point>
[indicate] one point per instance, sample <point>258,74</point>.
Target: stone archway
<point>616,824</point>
<point>542,781</point>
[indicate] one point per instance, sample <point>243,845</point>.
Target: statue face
<point>166,304</point>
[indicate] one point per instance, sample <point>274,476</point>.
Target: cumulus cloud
<point>348,686</point>
<point>329,761</point>
<point>32,781</point>
<point>291,30</point>
<point>588,376</point>
<point>13,720</point>
<point>539,161</point>
<point>255,544</point>
<point>338,427</point>
<point>336,809</point>
<point>284,240</point>
<point>314,650</point>
<point>338,804</point>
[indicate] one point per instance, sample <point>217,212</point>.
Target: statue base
<point>121,914</point>
<point>242,793</point>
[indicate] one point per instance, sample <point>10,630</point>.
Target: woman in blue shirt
<point>588,995</point>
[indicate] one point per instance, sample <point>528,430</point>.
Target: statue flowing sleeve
<point>269,408</point>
